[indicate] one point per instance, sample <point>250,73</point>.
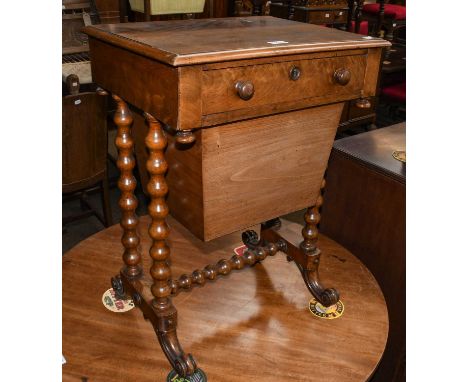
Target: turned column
<point>158,210</point>
<point>310,273</point>
<point>127,184</point>
<point>165,321</point>
<point>312,218</point>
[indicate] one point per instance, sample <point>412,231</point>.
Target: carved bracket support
<point>164,322</point>
<point>307,261</point>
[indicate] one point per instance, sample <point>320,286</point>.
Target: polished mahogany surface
<point>257,327</point>
<point>182,42</point>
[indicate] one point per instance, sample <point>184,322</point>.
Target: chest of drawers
<point>314,12</point>
<point>241,118</point>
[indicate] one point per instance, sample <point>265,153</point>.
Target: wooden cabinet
<point>323,12</point>
<point>364,210</point>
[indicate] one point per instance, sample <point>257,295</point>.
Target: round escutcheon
<point>294,73</point>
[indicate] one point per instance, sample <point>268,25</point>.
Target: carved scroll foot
<point>163,317</point>
<point>307,260</point>
<point>310,274</point>
<point>166,331</point>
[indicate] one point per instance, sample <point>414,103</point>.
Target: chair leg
<point>106,201</point>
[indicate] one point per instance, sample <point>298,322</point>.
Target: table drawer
<point>313,16</point>
<point>254,86</point>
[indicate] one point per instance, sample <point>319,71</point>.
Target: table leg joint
<point>164,322</point>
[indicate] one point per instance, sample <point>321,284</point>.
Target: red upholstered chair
<point>363,28</point>
<point>397,12</point>
<point>395,92</point>
<point>383,16</point>
<point>394,97</point>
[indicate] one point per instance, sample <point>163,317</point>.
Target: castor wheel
<point>250,239</point>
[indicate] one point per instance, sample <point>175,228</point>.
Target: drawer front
<point>273,83</point>
<point>321,17</point>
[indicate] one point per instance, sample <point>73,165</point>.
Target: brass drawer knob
<point>294,73</point>
<point>342,76</point>
<point>245,89</point>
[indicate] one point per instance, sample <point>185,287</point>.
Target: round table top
<point>253,325</point>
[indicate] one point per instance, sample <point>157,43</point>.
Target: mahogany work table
<point>241,118</point>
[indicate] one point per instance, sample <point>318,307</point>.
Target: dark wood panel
<point>364,210</point>
<point>84,140</point>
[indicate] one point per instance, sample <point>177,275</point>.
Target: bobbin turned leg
<point>164,318</point>
<point>310,272</point>
<point>306,255</point>
<point>128,201</point>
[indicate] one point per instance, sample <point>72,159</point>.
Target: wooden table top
<point>252,326</point>
<point>375,149</point>
<point>183,42</point>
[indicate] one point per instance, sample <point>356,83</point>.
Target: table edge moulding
<point>206,89</point>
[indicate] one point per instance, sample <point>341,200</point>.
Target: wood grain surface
<point>188,42</point>
<point>253,325</point>
<point>263,168</point>
<point>271,80</point>
<point>248,172</point>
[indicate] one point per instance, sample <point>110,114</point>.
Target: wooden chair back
<point>84,140</point>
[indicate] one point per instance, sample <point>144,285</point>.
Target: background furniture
<point>84,148</point>
<point>322,12</point>
<point>248,7</point>
<point>257,327</point>
<point>394,97</point>
<point>212,8</point>
<point>384,19</point>
<point>364,210</point>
